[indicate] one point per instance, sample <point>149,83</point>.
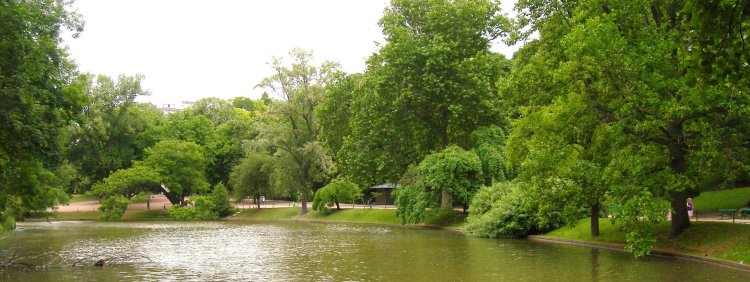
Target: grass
<point>377,216</point>
<point>724,199</point>
<point>267,214</point>
<point>129,215</point>
<point>712,239</point>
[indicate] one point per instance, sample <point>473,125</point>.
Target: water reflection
<point>321,252</point>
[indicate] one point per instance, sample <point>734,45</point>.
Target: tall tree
<point>38,97</point>
<point>115,129</point>
<point>252,177</point>
<point>431,85</point>
<point>292,129</point>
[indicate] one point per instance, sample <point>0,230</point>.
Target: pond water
<point>221,251</point>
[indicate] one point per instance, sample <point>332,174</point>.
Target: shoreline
<point>656,252</point>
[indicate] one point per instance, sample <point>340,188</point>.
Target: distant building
<point>173,108</point>
<point>382,194</point>
<point>169,108</point>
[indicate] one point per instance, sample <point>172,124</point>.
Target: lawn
<point>139,215</point>
<point>378,216</point>
<point>723,199</point>
<point>266,214</point>
<point>713,239</point>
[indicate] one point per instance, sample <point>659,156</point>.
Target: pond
<point>293,251</point>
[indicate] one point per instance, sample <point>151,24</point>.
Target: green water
<point>219,251</point>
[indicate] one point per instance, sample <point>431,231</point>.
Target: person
<point>690,207</point>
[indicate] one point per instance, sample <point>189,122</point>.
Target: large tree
<point>252,177</point>
<point>38,97</point>
<point>291,130</point>
<point>115,129</point>
<point>655,83</point>
<point>430,86</point>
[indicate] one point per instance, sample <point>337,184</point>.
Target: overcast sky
<point>193,49</point>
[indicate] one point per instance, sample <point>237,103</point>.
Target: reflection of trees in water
<point>594,264</point>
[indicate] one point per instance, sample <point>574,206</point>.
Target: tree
<point>182,167</point>
<point>38,96</point>
<point>334,193</point>
<point>115,130</point>
<point>220,198</point>
<point>292,129</point>
<point>431,84</point>
<point>453,173</point>
<point>252,177</point>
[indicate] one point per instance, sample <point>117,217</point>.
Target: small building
<point>382,194</point>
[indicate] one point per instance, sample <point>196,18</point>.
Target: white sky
<point>193,49</point>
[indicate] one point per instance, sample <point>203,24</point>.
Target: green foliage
<point>431,84</point>
<point>413,204</point>
<point>291,131</point>
<point>506,209</point>
<point>488,143</point>
<point>7,223</point>
<point>336,192</point>
<point>181,166</point>
<point>128,182</point>
<point>220,198</point>
<point>40,96</point>
<point>204,207</point>
<point>252,177</point>
<point>182,213</point>
<point>454,172</point>
<point>113,207</point>
<point>114,130</point>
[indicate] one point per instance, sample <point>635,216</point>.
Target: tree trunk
<point>446,200</point>
<point>303,201</point>
<point>257,202</point>
<point>680,219</point>
<point>337,205</point>
<point>148,202</point>
<point>595,220</point>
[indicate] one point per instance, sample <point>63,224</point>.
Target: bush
<point>510,209</point>
<point>182,213</point>
<point>220,198</point>
<point>413,203</point>
<point>7,223</point>
<point>204,207</point>
<point>113,207</point>
<point>338,191</point>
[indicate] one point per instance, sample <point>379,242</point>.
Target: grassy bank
<point>723,199</point>
<point>138,215</point>
<point>376,216</point>
<point>712,239</point>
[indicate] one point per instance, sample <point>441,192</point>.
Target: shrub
<point>205,207</point>
<point>113,207</point>
<point>511,209</point>
<point>413,204</point>
<point>338,191</point>
<point>181,213</point>
<point>220,198</point>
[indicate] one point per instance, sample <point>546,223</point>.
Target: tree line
<point>611,108</point>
